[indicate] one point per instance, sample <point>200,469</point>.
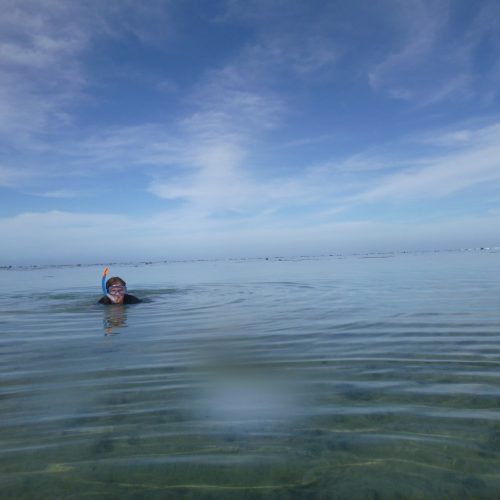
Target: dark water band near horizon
<point>304,378</point>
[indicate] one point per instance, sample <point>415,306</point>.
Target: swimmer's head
<point>116,289</point>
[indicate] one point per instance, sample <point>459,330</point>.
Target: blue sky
<point>197,129</point>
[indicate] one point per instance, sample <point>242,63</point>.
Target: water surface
<point>373,376</point>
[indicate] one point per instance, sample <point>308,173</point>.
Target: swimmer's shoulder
<point>131,299</point>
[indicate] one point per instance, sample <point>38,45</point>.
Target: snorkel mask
<point>116,291</point>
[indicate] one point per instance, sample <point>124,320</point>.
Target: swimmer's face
<point>117,293</point>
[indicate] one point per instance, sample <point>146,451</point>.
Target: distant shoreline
<point>373,255</point>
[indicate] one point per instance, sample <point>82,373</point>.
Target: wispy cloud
<point>229,110</point>
<point>430,46</point>
<point>395,73</point>
<point>40,72</point>
<point>43,75</point>
<point>11,176</point>
<point>476,161</point>
<point>60,193</point>
<point>248,143</point>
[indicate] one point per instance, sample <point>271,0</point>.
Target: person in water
<point>116,293</point>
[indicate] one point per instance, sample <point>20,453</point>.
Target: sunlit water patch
<point>306,378</point>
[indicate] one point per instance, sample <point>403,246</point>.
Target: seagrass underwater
<point>360,376</point>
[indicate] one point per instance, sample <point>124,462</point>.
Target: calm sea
<point>374,376</point>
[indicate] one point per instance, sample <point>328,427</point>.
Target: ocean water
<point>366,376</point>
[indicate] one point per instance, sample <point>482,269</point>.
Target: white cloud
<point>469,135</point>
<point>232,109</point>
<point>476,161</point>
<point>221,184</point>
<point>218,179</point>
<point>212,172</point>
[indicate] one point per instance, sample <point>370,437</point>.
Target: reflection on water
<point>115,318</point>
<point>361,378</point>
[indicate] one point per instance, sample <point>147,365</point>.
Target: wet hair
<point>114,281</point>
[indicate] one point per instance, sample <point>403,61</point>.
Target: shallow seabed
<point>357,377</point>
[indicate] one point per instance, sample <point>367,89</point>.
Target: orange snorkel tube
<point>103,281</point>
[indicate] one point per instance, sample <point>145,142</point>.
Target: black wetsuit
<point>128,299</point>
